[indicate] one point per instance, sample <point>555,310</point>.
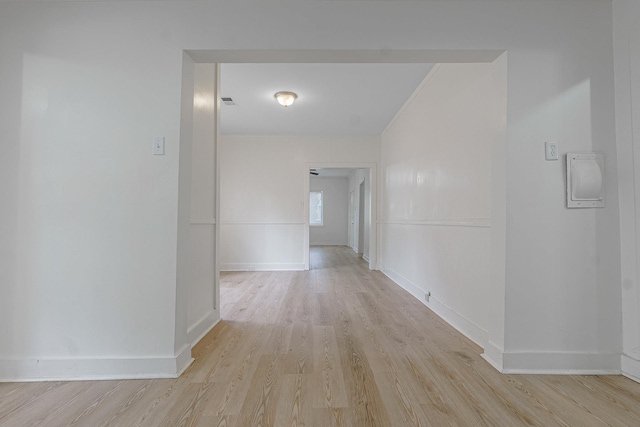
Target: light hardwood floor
<point>335,346</point>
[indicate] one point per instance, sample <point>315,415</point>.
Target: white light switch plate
<point>158,145</point>
<point>551,150</point>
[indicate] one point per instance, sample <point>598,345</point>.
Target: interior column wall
<point>627,73</point>
<point>203,311</point>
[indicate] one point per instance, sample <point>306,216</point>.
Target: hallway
<point>337,345</point>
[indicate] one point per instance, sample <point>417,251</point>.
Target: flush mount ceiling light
<point>285,98</point>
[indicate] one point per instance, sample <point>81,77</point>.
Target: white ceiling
<point>334,100</point>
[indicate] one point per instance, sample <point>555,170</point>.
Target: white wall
<point>263,213</point>
<point>335,193</point>
<point>627,72</point>
<point>562,296</point>
<point>89,218</point>
<point>436,202</point>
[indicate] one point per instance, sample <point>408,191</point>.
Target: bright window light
<point>315,208</point>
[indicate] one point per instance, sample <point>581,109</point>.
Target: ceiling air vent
<point>228,101</point>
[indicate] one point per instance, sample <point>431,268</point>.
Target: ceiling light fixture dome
<point>286,98</point>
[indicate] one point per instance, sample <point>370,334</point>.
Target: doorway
<point>326,161</point>
<point>339,208</point>
<point>361,214</point>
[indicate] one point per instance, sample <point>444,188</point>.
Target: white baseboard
<point>561,363</point>
<point>260,267</point>
<point>403,283</point>
<point>469,329</point>
<point>202,327</point>
<point>463,325</point>
<point>494,355</point>
<point>183,360</point>
<point>630,367</point>
<point>327,243</point>
<point>26,370</point>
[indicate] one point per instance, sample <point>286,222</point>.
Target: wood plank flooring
<point>335,346</point>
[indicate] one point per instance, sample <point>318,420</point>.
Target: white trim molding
<point>202,221</point>
<point>630,367</point>
<point>261,223</point>
<point>71,369</point>
<point>183,360</point>
<point>198,330</point>
<point>494,355</point>
<point>328,244</point>
<point>469,329</point>
<point>473,222</point>
<point>561,363</point>
<point>261,267</point>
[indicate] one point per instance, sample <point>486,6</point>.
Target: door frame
<point>373,223</point>
<point>350,237</point>
<point>362,187</point>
